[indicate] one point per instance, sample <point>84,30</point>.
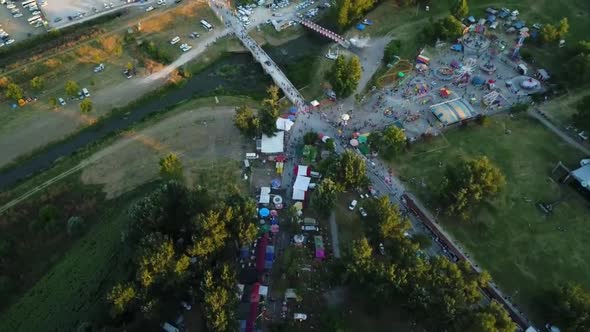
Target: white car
<point>185,47</point>
<point>161,2</point>
<point>99,68</point>
<point>149,9</point>
<point>174,40</point>
<point>61,101</point>
<point>363,212</point>
<point>17,15</point>
<point>300,317</point>
<point>352,205</point>
<point>8,42</point>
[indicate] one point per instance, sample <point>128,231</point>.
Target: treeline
<point>348,12</point>
<point>183,241</point>
<point>440,294</point>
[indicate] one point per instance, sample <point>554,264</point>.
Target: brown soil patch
<point>203,138</point>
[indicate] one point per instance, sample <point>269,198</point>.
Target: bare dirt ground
<point>205,139</point>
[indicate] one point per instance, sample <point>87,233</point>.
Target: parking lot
<point>17,27</point>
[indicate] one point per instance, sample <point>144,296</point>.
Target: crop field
<point>525,251</point>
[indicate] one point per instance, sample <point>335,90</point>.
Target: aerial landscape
<point>295,165</point>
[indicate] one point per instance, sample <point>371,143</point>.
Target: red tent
<point>444,92</point>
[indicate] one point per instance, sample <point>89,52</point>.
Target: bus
<point>206,25</point>
<point>32,19</point>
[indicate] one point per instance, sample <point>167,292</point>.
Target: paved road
<point>334,233</point>
<point>534,113</point>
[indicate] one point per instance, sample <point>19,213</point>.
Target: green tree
<point>74,225</point>
<point>37,83</point>
<point>324,196</point>
<point>343,13</point>
<point>270,111</point>
<point>171,167</point>
<point>392,49</point>
<point>330,145</point>
<point>72,88</point>
<point>491,318</point>
<point>469,183</point>
<point>460,9</point>
<point>121,298</point>
<point>246,121</point>
<point>345,75</point>
<point>310,138</point>
<point>155,260</point>
<point>211,234</point>
<point>390,142</point>
<point>86,105</point>
<point>242,226</point>
<point>350,170</point>
<point>571,308</point>
<point>219,300</point>
<point>549,34</point>
<point>14,91</point>
<point>578,69</point>
<point>386,220</point>
<point>563,28</point>
<point>582,116</point>
<point>361,262</point>
<point>53,102</point>
<point>449,28</point>
<point>444,291</point>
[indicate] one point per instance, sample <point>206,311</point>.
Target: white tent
<point>302,170</point>
<point>582,175</point>
<point>284,124</point>
<point>272,144</point>
<point>301,183</point>
<point>264,195</point>
<point>315,103</point>
<point>298,195</point>
<point>263,290</point>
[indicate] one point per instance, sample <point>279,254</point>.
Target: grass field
<point>522,249</point>
<point>73,291</point>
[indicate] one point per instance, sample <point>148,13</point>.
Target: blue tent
<point>478,80</point>
<point>264,212</point>
<point>457,48</point>
<point>244,252</point>
<point>491,18</point>
<point>293,110</point>
<point>519,25</point>
<point>360,27</point>
<point>275,183</point>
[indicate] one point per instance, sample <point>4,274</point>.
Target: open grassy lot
<point>522,249</point>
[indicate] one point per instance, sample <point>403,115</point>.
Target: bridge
<point>325,32</point>
<point>268,65</point>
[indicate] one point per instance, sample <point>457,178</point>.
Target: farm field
<point>524,250</point>
<point>39,123</point>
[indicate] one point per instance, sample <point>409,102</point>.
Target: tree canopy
<point>14,91</point>
<point>246,121</point>
<point>349,170</point>
<point>171,167</point>
<point>324,196</point>
<point>490,318</point>
<point>72,88</point>
<point>392,49</point>
<point>469,183</point>
<point>270,111</point>
<point>345,75</point>
<point>460,9</point>
<point>386,220</point>
<point>571,308</point>
<point>86,105</point>
<point>582,116</point>
<point>578,66</point>
<point>390,141</point>
<point>349,11</point>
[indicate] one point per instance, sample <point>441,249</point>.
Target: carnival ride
<point>395,74</point>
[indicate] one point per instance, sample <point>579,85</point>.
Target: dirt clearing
<point>204,138</point>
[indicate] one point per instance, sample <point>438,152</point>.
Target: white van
<point>174,40</point>
<point>85,92</point>
<point>169,327</point>
<point>251,156</point>
<point>246,163</point>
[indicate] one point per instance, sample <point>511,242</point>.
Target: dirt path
<point>567,138</point>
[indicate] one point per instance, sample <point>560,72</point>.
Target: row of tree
<point>441,294</point>
<point>345,75</point>
<point>182,240</point>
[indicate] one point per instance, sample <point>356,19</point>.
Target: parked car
<point>300,317</point>
<point>363,212</point>
<point>174,40</point>
<point>310,228</point>
<point>149,9</point>
<point>85,92</point>
<point>352,205</point>
<point>99,68</point>
<point>61,101</point>
<point>185,305</point>
<point>128,73</point>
